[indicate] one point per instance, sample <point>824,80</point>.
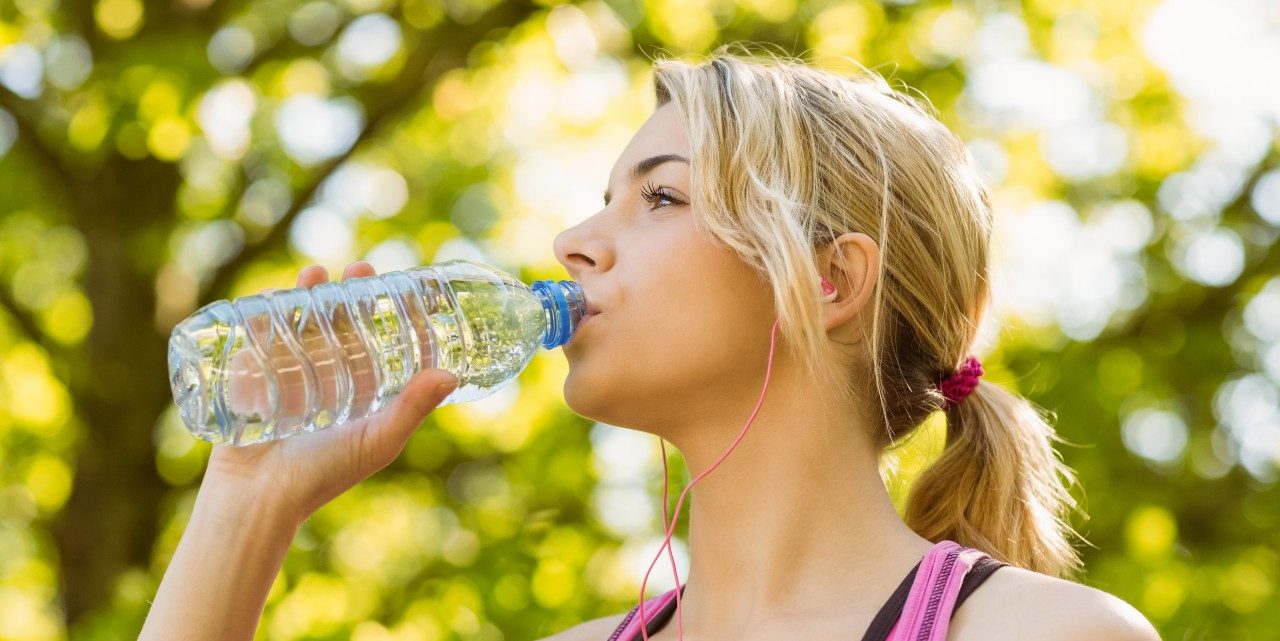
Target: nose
<point>580,249</point>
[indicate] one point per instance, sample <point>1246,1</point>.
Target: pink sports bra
<point>919,610</point>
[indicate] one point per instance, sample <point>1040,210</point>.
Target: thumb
<point>419,396</point>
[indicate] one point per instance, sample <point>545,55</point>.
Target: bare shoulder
<point>1014,603</point>
<point>593,630</point>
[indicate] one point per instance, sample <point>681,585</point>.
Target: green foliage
<point>158,156</point>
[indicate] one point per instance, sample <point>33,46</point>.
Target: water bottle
<point>286,362</point>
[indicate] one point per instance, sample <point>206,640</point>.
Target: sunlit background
<point>155,156</point>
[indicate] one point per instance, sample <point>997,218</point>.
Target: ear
<point>852,263</point>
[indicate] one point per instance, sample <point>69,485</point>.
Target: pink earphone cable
<point>675,517</point>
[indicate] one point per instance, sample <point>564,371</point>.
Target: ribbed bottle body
<point>284,362</point>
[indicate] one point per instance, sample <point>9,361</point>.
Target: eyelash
<point>651,195</point>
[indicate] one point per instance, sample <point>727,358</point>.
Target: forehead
<point>662,133</point>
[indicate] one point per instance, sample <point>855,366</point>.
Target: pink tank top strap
<point>629,627</point>
<point>926,615</point>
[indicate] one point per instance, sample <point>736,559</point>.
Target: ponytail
<point>999,485</point>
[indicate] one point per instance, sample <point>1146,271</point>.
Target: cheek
<point>705,341</point>
<point>673,317</point>
<point>681,328</point>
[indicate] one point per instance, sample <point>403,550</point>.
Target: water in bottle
<point>291,361</point>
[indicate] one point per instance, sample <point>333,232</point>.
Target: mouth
<point>582,323</point>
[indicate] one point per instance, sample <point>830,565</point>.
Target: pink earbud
<point>828,290</point>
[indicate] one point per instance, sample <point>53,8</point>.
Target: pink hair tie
<point>960,383</point>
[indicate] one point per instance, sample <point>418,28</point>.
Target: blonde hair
<point>786,157</point>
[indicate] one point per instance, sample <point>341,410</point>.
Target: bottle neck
<point>564,305</point>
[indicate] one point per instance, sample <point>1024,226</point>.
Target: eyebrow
<point>649,164</point>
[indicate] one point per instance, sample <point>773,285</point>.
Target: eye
<point>655,196</point>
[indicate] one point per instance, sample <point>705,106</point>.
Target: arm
<point>254,498</point>
<point>218,579</point>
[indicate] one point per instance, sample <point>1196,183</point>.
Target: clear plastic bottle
<point>284,362</point>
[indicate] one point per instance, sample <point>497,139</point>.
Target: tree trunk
<point>110,519</point>
<point>126,213</point>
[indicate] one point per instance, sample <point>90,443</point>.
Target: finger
<point>358,269</point>
<point>312,275</point>
<point>407,410</point>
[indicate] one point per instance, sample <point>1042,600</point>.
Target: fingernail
<point>443,390</point>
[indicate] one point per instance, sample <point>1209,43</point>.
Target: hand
<point>301,473</point>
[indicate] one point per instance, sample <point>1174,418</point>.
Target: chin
<point>605,398</point>
<point>598,395</point>
<point>583,393</point>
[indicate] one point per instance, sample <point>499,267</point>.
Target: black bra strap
<point>887,616</point>
<point>977,574</point>
<point>891,611</point>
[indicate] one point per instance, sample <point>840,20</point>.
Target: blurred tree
<point>124,208</point>
<point>155,156</point>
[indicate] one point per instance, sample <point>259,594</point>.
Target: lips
<point>591,309</point>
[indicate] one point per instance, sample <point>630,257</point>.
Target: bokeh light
<point>156,158</point>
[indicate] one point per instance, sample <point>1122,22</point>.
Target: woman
<point>765,209</point>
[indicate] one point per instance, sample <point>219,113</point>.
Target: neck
<point>796,520</point>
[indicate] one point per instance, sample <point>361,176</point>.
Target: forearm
<point>229,555</point>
